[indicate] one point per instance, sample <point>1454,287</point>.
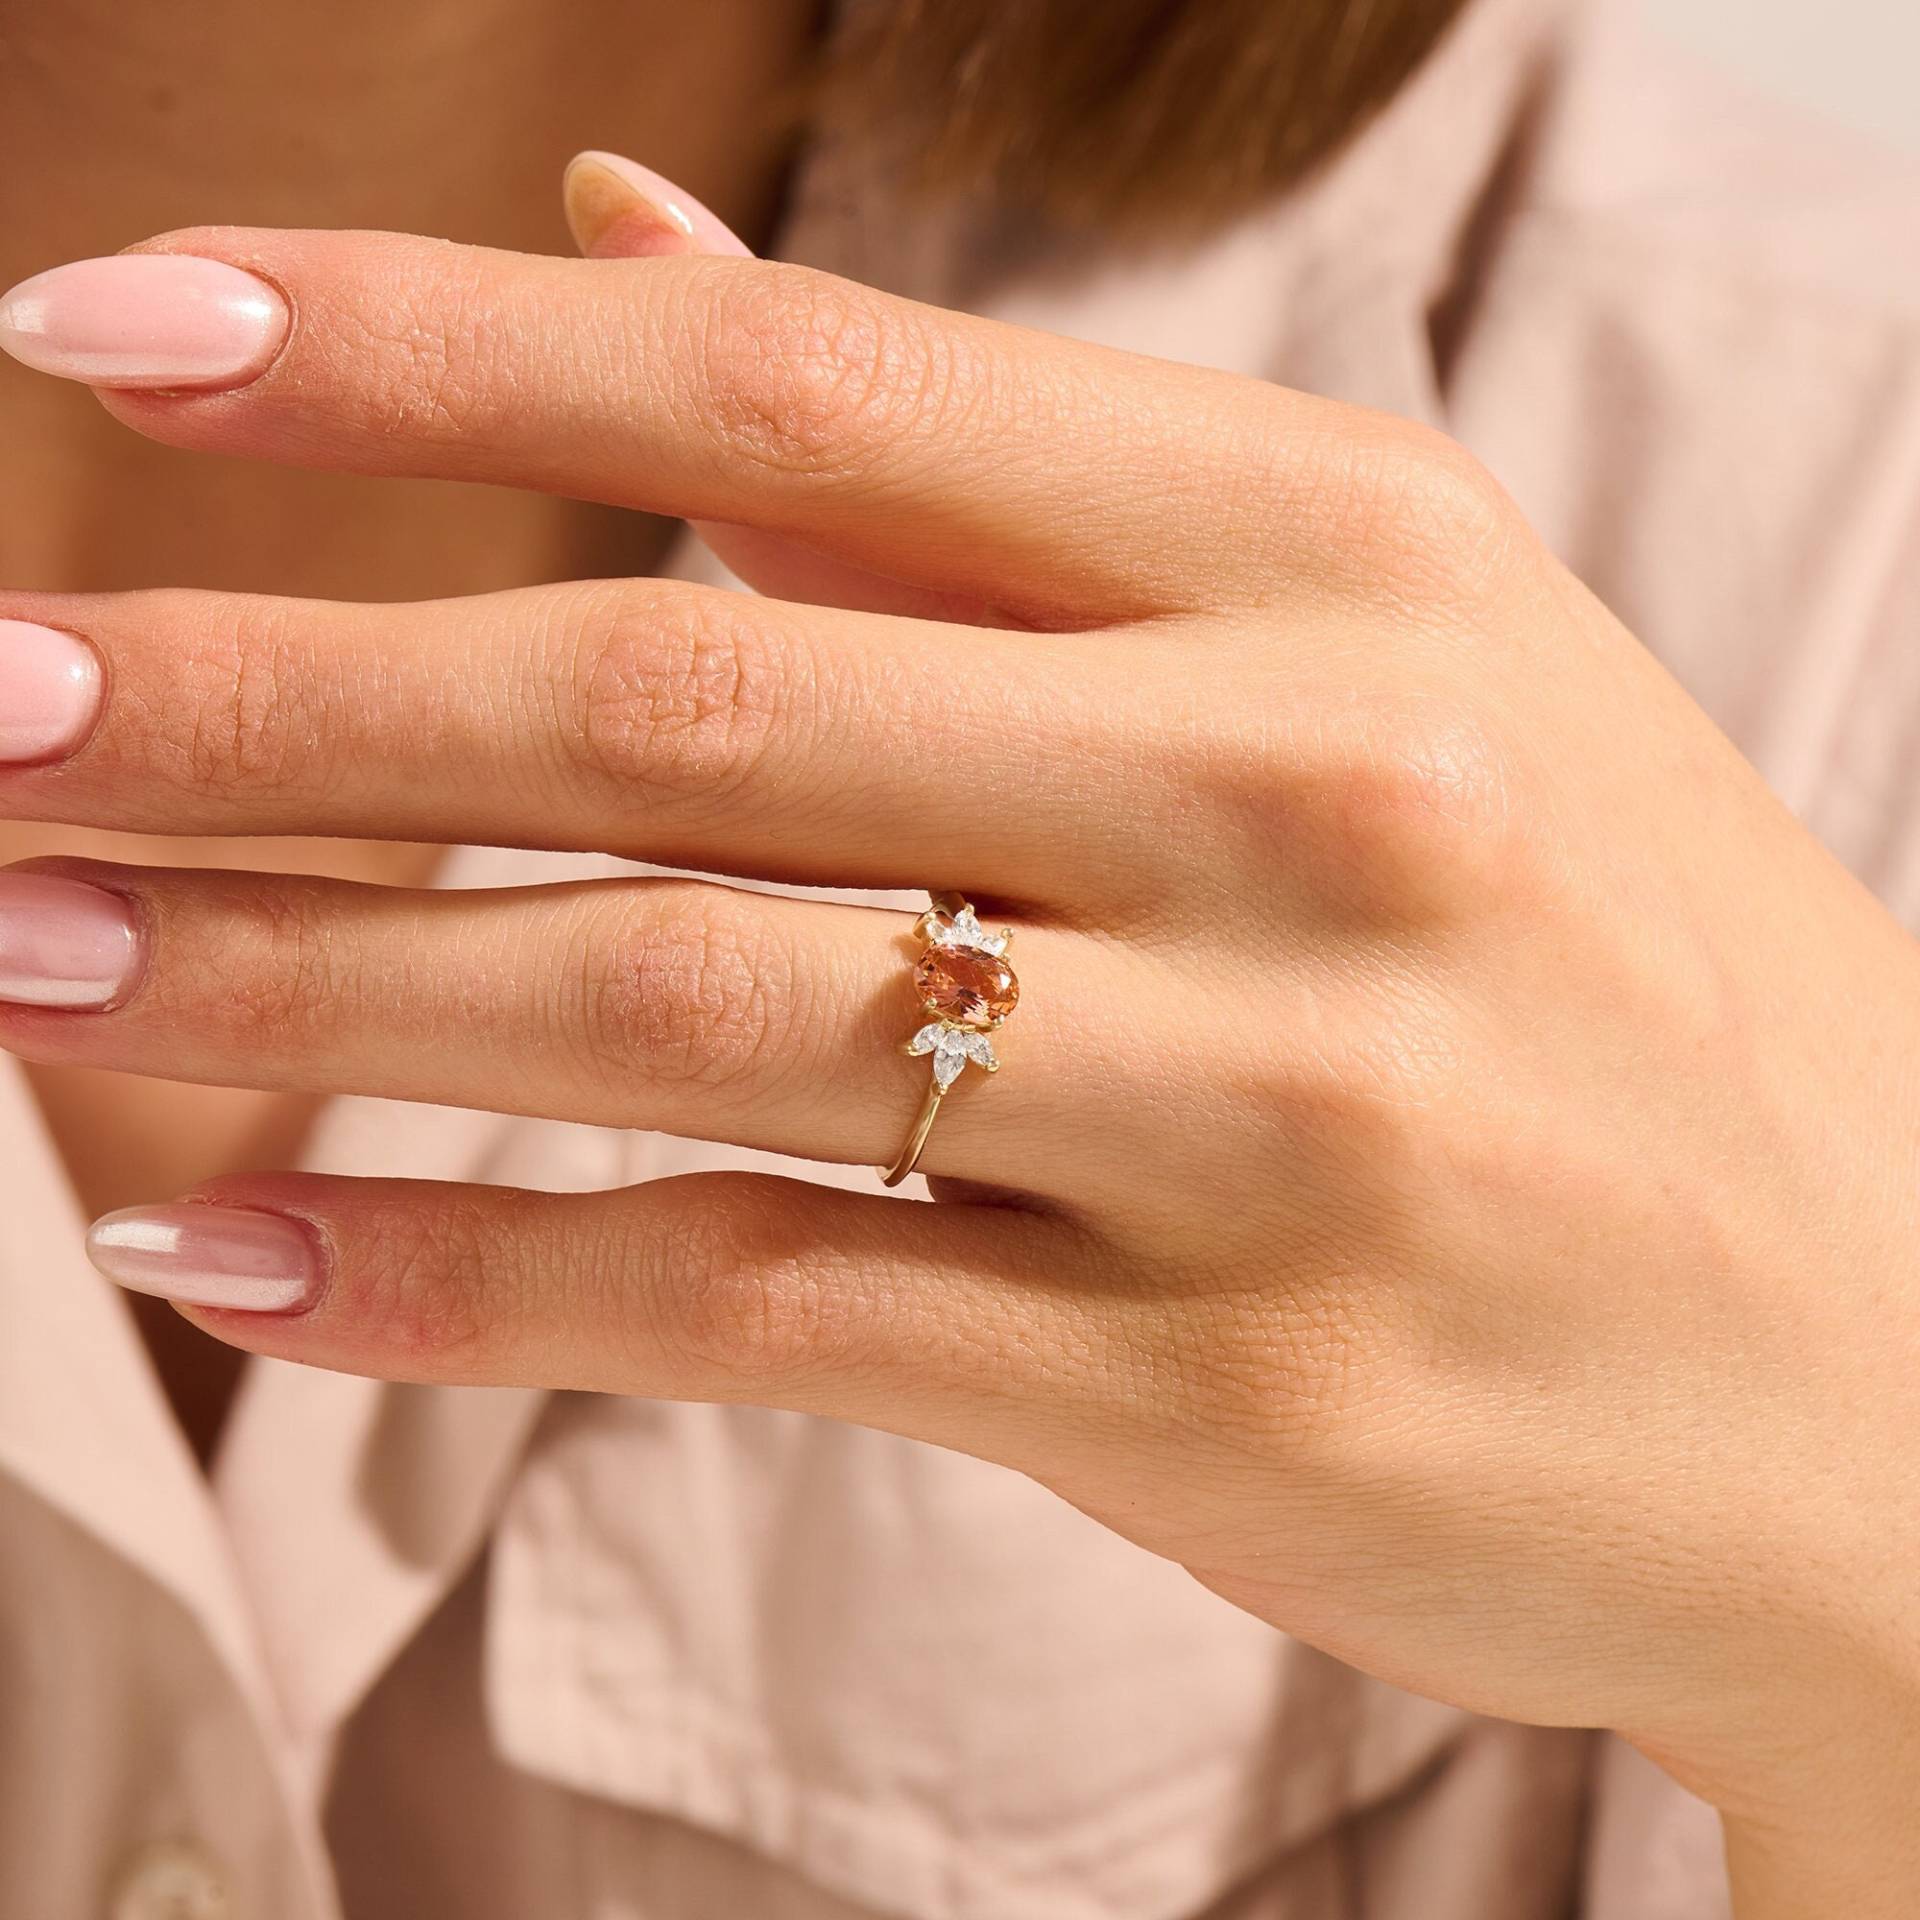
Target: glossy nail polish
<point>50,688</point>
<point>139,320</point>
<point>233,1257</point>
<point>64,943</point>
<point>618,209</point>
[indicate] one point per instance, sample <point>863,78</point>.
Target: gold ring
<point>964,981</point>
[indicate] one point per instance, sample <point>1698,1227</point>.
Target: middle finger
<point>683,725</point>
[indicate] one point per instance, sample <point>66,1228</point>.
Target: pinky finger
<point>969,1325</point>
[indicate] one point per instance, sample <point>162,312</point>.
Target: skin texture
<point>1452,1183</point>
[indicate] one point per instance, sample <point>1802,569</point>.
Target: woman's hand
<point>1453,1182</point>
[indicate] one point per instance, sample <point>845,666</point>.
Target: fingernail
<point>145,320</point>
<point>209,1256</point>
<point>620,210</point>
<point>49,692</point>
<point>64,943</point>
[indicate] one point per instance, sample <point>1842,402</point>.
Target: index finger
<point>1070,484</point>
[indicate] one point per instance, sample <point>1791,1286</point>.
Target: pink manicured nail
<point>208,1256</point>
<point>64,943</point>
<point>49,692</point>
<point>145,320</point>
<point>618,209</point>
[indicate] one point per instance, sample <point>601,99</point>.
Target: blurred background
<point>1857,61</point>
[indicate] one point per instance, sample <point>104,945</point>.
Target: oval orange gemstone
<point>966,985</point>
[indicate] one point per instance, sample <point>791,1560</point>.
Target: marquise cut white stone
<point>965,930</point>
<point>952,1047</point>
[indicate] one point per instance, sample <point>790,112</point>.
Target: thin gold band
<point>910,1153</point>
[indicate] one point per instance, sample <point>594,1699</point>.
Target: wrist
<point>1822,1814</point>
<point>1870,1870</point>
<point>1819,1791</point>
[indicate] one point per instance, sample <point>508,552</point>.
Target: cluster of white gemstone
<point>952,1047</point>
<point>965,930</point>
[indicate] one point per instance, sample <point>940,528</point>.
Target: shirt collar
<point>1398,200</point>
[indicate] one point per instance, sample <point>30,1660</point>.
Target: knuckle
<point>243,709</point>
<point>429,365</point>
<point>281,974</point>
<point>1406,817</point>
<point>1354,1114</point>
<point>442,1283</point>
<point>809,377</point>
<point>1367,1101</point>
<point>741,1301</point>
<point>1426,518</point>
<point>1418,816</point>
<point>683,986</point>
<point>1363,1130</point>
<point>682,694</point>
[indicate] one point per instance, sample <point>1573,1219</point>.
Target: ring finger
<point>660,1003</point>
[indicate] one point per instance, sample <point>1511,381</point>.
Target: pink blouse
<point>416,1653</point>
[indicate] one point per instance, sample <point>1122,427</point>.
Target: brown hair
<point>1125,112</point>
